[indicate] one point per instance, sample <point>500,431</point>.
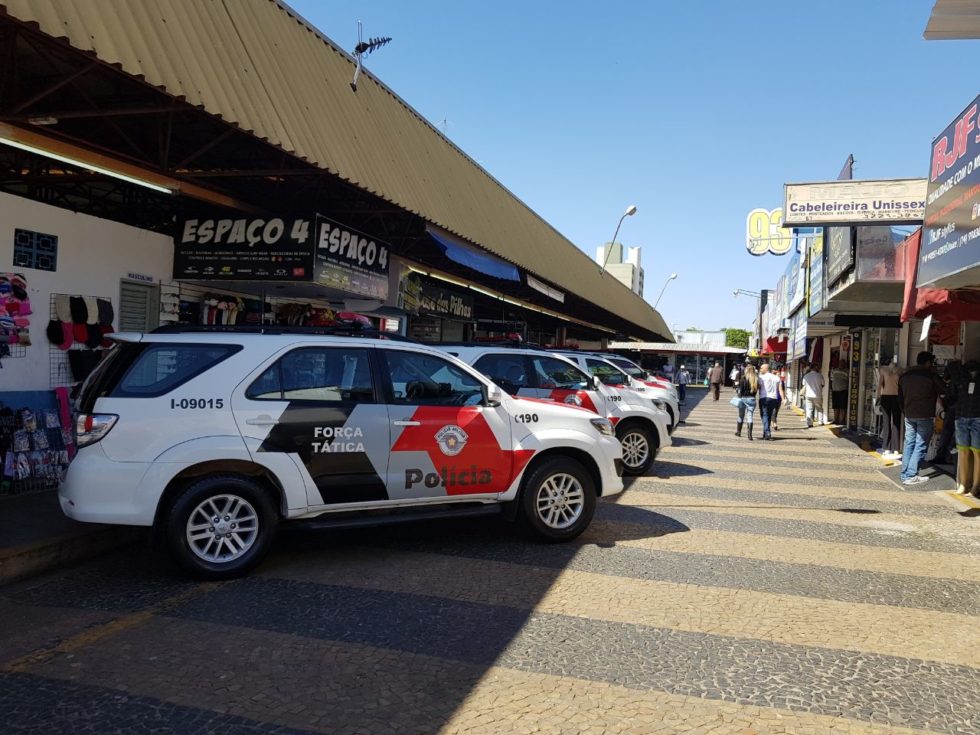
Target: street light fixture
<point>743,292</point>
<point>630,211</point>
<point>670,278</point>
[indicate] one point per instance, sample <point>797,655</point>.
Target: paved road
<point>743,588</point>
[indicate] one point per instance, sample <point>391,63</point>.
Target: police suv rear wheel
<point>638,448</point>
<point>558,499</point>
<point>221,526</point>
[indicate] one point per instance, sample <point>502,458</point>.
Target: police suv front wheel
<point>558,499</point>
<point>221,526</point>
<point>639,449</point>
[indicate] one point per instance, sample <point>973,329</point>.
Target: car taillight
<point>92,427</point>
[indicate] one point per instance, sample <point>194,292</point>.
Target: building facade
<point>623,264</point>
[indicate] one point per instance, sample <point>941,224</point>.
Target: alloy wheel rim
<point>222,528</point>
<point>560,501</point>
<point>636,449</point>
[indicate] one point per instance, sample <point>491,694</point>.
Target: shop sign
<point>816,275</point>
<point>852,418</point>
<point>798,345</point>
<point>141,277</point>
<point>840,253</point>
<point>244,249</point>
<point>950,233</point>
<point>410,292</point>
<point>764,232</point>
<point>442,302</point>
<point>892,201</point>
<point>796,282</point>
<point>350,261</point>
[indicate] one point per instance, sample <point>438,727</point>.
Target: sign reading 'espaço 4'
<point>303,249</point>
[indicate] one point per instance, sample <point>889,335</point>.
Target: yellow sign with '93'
<point>764,232</point>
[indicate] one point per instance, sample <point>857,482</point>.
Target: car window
<point>553,373</point>
<point>629,368</point>
<point>160,368</point>
<point>427,380</point>
<point>605,372</point>
<point>506,370</point>
<point>331,375</point>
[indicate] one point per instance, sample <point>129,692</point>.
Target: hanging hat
<point>67,336</point>
<point>54,332</point>
<point>11,306</point>
<point>91,310</point>
<point>79,312</point>
<point>24,337</point>
<point>105,312</point>
<point>80,332</point>
<point>62,307</point>
<point>94,336</point>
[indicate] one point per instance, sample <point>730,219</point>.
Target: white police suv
<point>540,375</point>
<point>609,373</point>
<point>215,436</point>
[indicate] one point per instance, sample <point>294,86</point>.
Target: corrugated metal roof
<point>258,65</point>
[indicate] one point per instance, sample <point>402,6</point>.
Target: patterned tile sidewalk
<point>763,587</point>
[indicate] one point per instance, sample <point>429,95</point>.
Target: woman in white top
<point>770,395</point>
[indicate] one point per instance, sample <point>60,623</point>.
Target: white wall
<point>93,256</point>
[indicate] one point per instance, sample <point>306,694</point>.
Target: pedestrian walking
<point>952,373</point>
<point>770,396</point>
<point>734,376</point>
<point>963,397</point>
<point>812,393</point>
<point>918,390</point>
<point>715,376</point>
<point>782,397</point>
<point>838,392</point>
<point>748,389</point>
<point>683,379</point>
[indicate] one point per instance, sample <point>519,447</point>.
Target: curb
<point>33,559</point>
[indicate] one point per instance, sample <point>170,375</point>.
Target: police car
<point>540,375</point>
<point>215,436</point>
<point>609,373</point>
<point>637,373</point>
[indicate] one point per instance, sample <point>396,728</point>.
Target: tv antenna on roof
<point>363,49</point>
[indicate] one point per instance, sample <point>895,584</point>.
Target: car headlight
<point>661,405</point>
<point>603,426</point>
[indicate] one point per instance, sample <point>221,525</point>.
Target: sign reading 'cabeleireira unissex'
<point>892,201</point>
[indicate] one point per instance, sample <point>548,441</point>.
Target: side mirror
<point>492,395</point>
<point>596,383</point>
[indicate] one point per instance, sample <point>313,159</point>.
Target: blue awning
<point>477,260</point>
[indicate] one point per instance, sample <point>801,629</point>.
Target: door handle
<point>262,420</point>
<point>406,422</point>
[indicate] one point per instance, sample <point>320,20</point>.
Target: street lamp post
<point>670,278</point>
<point>758,296</point>
<point>630,211</point>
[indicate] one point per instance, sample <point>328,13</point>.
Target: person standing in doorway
<point>838,392</point>
<point>888,377</point>
<point>683,379</point>
<point>748,390</point>
<point>734,376</point>
<point>715,376</point>
<point>770,396</point>
<point>812,393</point>
<point>918,390</point>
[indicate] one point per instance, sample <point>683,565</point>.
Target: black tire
<point>558,470</point>
<point>640,435</point>
<point>671,416</point>
<point>236,563</point>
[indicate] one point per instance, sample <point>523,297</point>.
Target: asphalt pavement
<point>743,587</point>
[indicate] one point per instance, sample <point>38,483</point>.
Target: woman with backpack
<point>748,390</point>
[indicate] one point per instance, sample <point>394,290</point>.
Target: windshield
<point>629,368</point>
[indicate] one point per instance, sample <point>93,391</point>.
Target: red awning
<point>943,305</point>
<point>776,346</point>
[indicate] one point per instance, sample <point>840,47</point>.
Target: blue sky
<point>695,111</point>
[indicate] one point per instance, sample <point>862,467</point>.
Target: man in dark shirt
<point>918,390</point>
<point>715,376</point>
